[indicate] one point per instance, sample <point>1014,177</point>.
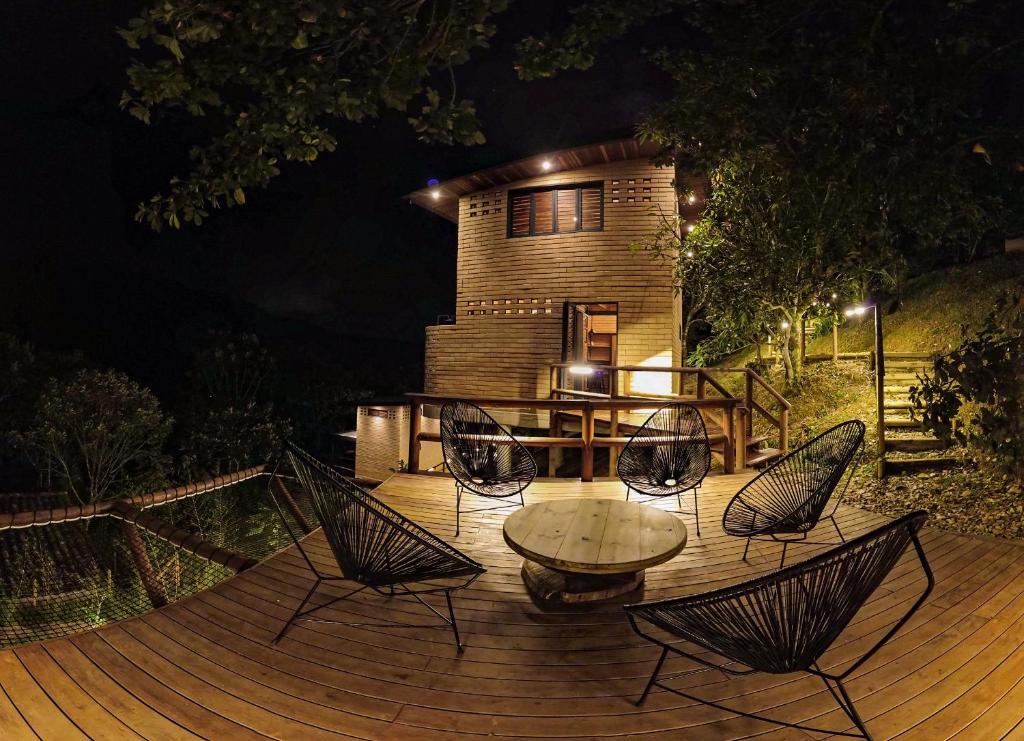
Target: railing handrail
<point>600,404</point>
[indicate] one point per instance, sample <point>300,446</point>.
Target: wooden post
<point>880,389</point>
<point>415,425</point>
<point>150,581</point>
<point>627,379</point>
<point>554,451</point>
<point>784,430</point>
<point>748,402</point>
<point>587,433</point>
<point>613,422</point>
<point>289,502</point>
<point>700,384</point>
<point>741,438</point>
<point>729,449</point>
<point>835,339</point>
<point>553,381</point>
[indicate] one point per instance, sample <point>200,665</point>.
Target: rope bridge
<point>67,568</point>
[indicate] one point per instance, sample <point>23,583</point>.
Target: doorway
<point>590,334</point>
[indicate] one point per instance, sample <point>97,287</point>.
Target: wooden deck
<point>205,666</point>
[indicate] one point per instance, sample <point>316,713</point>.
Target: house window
<point>557,210</point>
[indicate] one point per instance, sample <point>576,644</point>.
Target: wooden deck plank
<point>205,666</point>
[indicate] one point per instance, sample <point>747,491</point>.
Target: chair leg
<point>455,625</point>
<point>458,506</point>
<point>845,703</point>
<point>836,526</point>
<point>745,549</point>
<point>298,610</point>
<point>654,676</point>
<point>627,492</point>
<point>782,561</point>
<point>696,512</point>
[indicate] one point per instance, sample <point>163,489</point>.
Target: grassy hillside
<point>927,319</point>
<point>933,307</point>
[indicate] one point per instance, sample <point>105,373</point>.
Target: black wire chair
<point>785,621</point>
<point>669,454</point>
<point>787,500</point>
<point>484,458</point>
<point>375,547</point>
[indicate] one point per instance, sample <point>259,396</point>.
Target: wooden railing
<point>588,409</point>
<point>774,410</point>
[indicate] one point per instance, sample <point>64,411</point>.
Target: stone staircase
<point>915,449</point>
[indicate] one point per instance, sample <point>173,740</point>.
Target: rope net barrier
<point>64,572</point>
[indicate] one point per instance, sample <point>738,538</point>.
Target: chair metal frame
<point>464,483</point>
<point>833,681</point>
<point>782,529</point>
<point>693,484</point>
<point>471,570</point>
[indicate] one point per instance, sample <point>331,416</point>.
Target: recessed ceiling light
<point>435,194</point>
<point>545,165</point>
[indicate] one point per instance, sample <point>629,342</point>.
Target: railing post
<point>587,434</point>
<point>150,581</point>
<point>415,425</point>
<point>701,379</point>
<point>729,449</point>
<point>627,380</point>
<point>784,430</point>
<point>293,508</point>
<point>748,402</point>
<point>554,451</point>
<point>741,438</point>
<point>553,381</point>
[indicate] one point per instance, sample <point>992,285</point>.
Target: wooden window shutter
<point>567,216</point>
<point>544,212</point>
<point>520,208</point>
<point>590,208</point>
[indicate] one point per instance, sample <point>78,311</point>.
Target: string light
<point>692,199</point>
<point>689,227</point>
<point>785,324</point>
<point>689,253</point>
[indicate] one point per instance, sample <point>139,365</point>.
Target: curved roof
<point>447,203</point>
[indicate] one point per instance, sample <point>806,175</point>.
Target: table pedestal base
<point>565,586</point>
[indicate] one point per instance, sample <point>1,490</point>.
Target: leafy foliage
<point>101,434</point>
<point>869,133</point>
<point>272,75</point>
<point>975,393</point>
<point>231,421</point>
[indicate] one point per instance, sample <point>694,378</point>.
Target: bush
<point>975,393</point>
<point>101,434</point>
<point>230,420</point>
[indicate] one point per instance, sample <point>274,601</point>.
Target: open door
<point>590,333</point>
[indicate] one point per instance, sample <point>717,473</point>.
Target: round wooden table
<point>584,550</point>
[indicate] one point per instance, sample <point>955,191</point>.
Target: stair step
<point>899,405</point>
<point>763,456</point>
<point>909,465</point>
<point>755,441</point>
<point>915,444</point>
<point>896,389</point>
<point>903,423</point>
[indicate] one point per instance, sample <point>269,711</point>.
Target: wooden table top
<point>595,536</point>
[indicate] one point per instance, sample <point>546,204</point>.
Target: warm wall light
<point>581,370</point>
<point>545,165</point>
<point>435,194</point>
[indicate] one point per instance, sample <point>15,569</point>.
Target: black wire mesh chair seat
<point>375,546</point>
<point>669,454</point>
<point>484,458</point>
<point>785,621</point>
<point>787,500</point>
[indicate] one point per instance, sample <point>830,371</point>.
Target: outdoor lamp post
<point>879,377</point>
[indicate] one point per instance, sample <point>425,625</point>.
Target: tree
<point>101,433</point>
<point>272,75</point>
<point>230,421</point>
<point>890,117</point>
<point>981,384</point>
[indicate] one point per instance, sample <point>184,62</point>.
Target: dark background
<point>329,265</point>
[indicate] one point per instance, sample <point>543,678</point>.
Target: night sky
<point>329,253</point>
